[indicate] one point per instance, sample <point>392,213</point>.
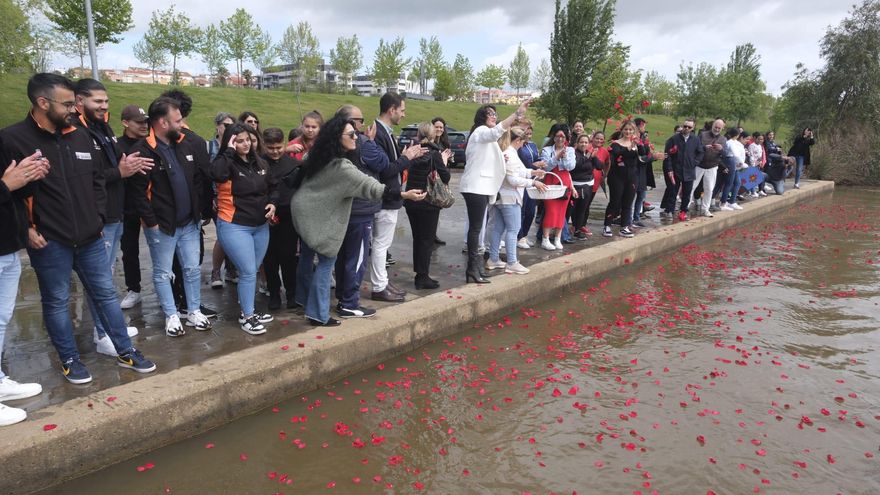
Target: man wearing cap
<point>92,104</point>
<point>134,128</point>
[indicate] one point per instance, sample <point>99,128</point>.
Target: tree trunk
<point>174,81</point>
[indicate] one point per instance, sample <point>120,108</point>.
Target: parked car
<point>457,140</point>
<point>407,135</point>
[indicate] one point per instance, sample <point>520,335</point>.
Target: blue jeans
<point>778,185</point>
<point>112,235</point>
<point>246,246</point>
<point>798,169</point>
<point>313,283</point>
<point>731,187</point>
<point>506,221</point>
<point>351,262</point>
<point>184,241</point>
<point>10,270</point>
<point>641,194</point>
<point>53,265</point>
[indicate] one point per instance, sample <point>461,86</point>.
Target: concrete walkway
<point>208,379</point>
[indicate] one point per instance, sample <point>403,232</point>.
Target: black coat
<point>688,154</point>
<point>801,147</point>
<point>420,169</point>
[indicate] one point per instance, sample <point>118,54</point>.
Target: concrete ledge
<point>147,414</point>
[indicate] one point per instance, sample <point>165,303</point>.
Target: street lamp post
<point>92,51</point>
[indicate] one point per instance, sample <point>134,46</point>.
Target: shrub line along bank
<point>92,433</point>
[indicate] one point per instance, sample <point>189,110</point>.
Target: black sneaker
<point>253,326</point>
<point>331,322</point>
<point>389,260</point>
<point>134,360</point>
<point>580,236</point>
<point>639,224</point>
<point>75,371</point>
<point>359,312</point>
<point>261,317</point>
<point>274,301</point>
<point>292,304</point>
<point>626,232</point>
<point>606,231</point>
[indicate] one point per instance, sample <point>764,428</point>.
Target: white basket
<point>553,191</point>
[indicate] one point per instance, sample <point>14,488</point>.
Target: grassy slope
<point>280,108</point>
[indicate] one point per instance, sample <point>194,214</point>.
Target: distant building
<point>365,86</point>
<point>139,75</point>
<point>279,76</point>
<point>501,96</point>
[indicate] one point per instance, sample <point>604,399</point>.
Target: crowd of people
<point>313,211</point>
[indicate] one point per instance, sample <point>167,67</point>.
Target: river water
<point>749,363</point>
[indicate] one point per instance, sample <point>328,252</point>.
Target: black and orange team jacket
<point>68,205</point>
<point>244,189</point>
<point>152,195</point>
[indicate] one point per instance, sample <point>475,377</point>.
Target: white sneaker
<point>761,194</point>
<point>12,390</point>
<point>768,188</point>
<point>11,415</point>
<point>545,243</point>
<point>523,244</point>
<point>797,185</point>
<point>198,320</point>
<point>736,206</point>
<point>492,265</point>
<point>516,269</point>
<point>105,346</point>
<point>130,300</point>
<point>558,242</point>
<point>707,213</point>
<point>726,207</point>
<point>173,328</point>
<point>530,241</point>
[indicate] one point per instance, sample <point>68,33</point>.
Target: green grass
<point>281,108</point>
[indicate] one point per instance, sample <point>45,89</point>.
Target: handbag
<point>438,193</point>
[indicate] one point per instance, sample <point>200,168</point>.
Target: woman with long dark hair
<point>800,150</point>
<point>441,137</point>
<point>622,177</point>
<point>483,174</point>
<point>582,180</point>
<point>560,160</point>
<point>249,118</point>
<point>321,206</point>
<point>243,207</point>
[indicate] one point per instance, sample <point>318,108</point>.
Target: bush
<point>849,154</point>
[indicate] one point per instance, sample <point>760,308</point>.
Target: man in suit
<point>392,108</point>
<point>685,151</point>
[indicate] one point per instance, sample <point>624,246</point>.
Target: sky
<point>662,34</point>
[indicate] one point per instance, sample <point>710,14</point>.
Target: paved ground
<point>29,355</point>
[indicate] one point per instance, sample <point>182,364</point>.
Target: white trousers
<point>384,224</point>
<point>707,175</point>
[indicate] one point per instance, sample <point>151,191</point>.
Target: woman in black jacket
<point>243,207</point>
<point>582,180</point>
<point>423,217</point>
<point>800,150</point>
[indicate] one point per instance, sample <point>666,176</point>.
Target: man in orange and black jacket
<point>66,210</point>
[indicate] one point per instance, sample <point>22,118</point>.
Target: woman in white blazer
<point>483,174</point>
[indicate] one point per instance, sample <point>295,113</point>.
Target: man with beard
<point>167,199</point>
<point>135,128</point>
<point>66,211</point>
<point>92,103</point>
<point>707,170</point>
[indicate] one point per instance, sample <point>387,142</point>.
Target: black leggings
<point>621,194</point>
<point>476,209</point>
<point>581,210</point>
<point>281,254</point>
<point>423,223</point>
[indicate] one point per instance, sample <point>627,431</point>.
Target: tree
<point>222,77</point>
<point>389,64</point>
<point>492,76</point>
<point>111,19</point>
<point>579,41</point>
<point>659,92</point>
<point>151,54</point>
<point>541,76</point>
<point>346,58</point>
<point>444,84</point>
<point>173,33</point>
<point>463,76</point>
<point>212,49</point>
<point>43,41</point>
<point>264,52</point>
<point>238,33</point>
<point>697,86</point>
<point>299,48</point>
<point>248,77</point>
<point>15,37</point>
<point>739,84</point>
<point>430,61</point>
<point>615,89</point>
<point>518,72</point>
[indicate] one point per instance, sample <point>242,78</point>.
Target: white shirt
<point>517,178</point>
<point>738,151</point>
<point>484,166</point>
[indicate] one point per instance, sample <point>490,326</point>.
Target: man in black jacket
<point>66,211</point>
<point>135,128</point>
<point>392,108</point>
<point>167,199</point>
<point>685,152</point>
<point>92,103</point>
<point>13,238</point>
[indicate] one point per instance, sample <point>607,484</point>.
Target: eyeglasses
<point>688,126</point>
<point>68,105</point>
<point>491,114</point>
<point>359,120</point>
<point>351,134</point>
<point>251,121</point>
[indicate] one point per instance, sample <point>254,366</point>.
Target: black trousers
<point>621,194</point>
<point>130,244</point>
<point>667,204</point>
<point>281,255</point>
<point>580,210</point>
<point>476,205</point>
<point>423,222</point>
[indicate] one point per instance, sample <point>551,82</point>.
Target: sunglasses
<point>351,134</point>
<point>688,126</point>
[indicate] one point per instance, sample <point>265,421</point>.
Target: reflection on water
<point>750,363</point>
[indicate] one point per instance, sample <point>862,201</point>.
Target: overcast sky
<point>661,33</point>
